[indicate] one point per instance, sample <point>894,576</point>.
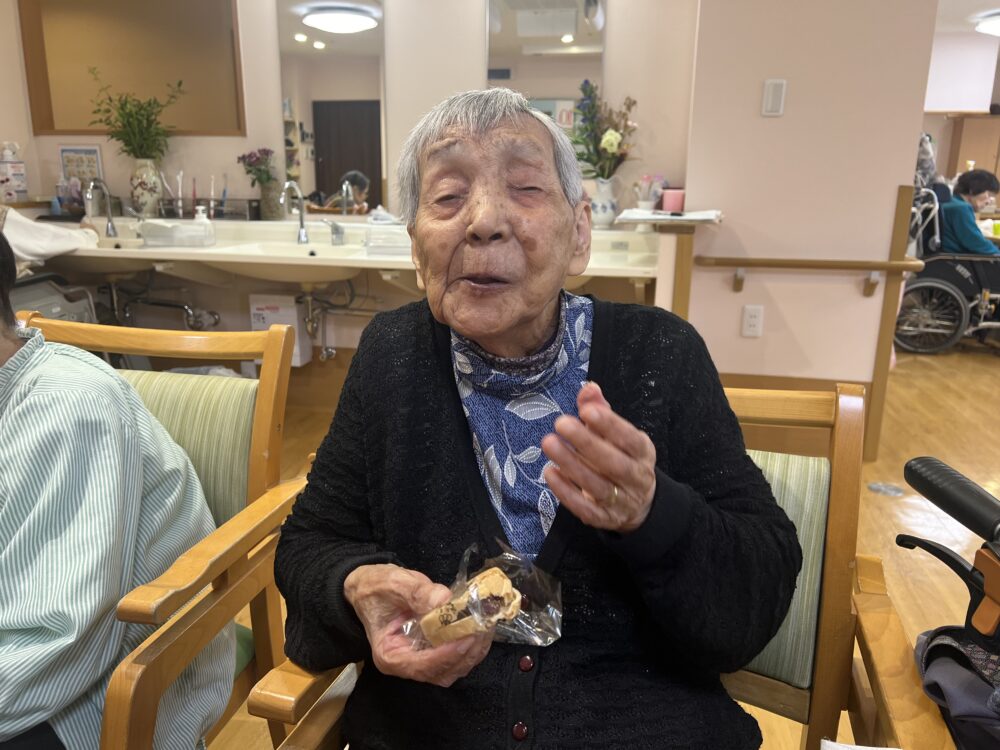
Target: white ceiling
<point>506,43</point>
<point>953,15</point>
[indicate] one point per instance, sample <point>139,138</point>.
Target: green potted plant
<point>137,127</point>
<point>601,136</point>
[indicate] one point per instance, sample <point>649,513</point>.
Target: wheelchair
<point>959,664</point>
<point>953,296</point>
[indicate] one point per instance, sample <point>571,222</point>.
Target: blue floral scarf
<point>511,404</point>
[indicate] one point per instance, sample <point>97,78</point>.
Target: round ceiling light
<point>342,18</point>
<point>301,38</point>
<point>988,23</point>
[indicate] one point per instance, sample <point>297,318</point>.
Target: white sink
<point>285,261</point>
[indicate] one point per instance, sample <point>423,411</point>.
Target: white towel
<point>637,216</point>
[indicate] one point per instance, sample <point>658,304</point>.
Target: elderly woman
<point>593,437</point>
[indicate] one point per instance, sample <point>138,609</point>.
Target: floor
<point>946,406</point>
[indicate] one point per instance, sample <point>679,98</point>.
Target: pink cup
<point>673,199</point>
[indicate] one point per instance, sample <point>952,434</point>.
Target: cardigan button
<point>525,663</point>
<point>520,731</point>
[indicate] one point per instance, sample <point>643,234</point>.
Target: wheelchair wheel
<point>933,317</point>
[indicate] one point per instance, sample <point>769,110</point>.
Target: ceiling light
<point>989,24</point>
<point>301,38</point>
<point>319,45</point>
<point>342,18</point>
<point>566,38</point>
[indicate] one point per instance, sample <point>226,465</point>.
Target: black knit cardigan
<point>650,618</point>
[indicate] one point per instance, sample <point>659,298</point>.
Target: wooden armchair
<point>887,706</point>
<point>809,445</point>
<point>231,428</point>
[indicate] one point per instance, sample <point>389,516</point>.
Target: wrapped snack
<point>487,599</point>
<point>509,596</point>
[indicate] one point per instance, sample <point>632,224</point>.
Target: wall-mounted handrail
<point>872,267</point>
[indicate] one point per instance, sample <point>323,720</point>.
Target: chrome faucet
<point>346,195</point>
<point>303,236</point>
<point>109,230</point>
<point>337,236</point>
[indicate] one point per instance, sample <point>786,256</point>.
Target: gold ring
<point>613,500</point>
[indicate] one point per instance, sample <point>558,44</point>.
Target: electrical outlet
<point>753,321</point>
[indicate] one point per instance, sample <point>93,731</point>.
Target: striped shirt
<point>95,499</point>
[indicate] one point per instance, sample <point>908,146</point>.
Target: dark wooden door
<point>348,136</point>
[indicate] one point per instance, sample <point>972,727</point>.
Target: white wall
<point>198,156</point>
<point>962,73</point>
<point>819,182</point>
<point>15,116</point>
<point>649,55</point>
<point>433,49</point>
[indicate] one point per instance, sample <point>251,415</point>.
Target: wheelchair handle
<point>956,495</point>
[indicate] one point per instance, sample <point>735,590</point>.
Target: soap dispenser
<point>201,221</point>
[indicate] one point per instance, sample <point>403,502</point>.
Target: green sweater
<point>959,233</point>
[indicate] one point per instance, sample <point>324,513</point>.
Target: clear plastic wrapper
<point>506,595</point>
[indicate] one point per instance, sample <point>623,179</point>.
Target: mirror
<point>545,49</point>
<point>332,109</point>
<point>195,41</point>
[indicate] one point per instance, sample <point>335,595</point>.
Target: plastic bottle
<point>201,221</point>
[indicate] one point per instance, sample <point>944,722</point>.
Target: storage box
<point>269,309</point>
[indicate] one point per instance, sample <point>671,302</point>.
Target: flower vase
<point>603,206</point>
<point>270,203</point>
<point>146,188</point>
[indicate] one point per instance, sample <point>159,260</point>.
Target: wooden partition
<point>138,47</point>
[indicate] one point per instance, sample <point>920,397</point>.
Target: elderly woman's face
<point>494,236</point>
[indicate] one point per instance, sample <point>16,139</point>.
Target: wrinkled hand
<point>593,455</point>
<point>386,596</point>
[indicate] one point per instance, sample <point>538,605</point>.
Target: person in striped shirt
<point>95,499</point>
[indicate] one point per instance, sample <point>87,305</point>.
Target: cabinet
<point>974,138</point>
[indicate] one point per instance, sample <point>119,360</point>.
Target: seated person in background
<point>593,437</point>
<point>959,233</point>
<point>95,499</point>
<point>356,201</point>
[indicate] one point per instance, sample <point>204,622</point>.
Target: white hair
<point>478,112</point>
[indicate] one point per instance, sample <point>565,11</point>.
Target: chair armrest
<point>288,691</point>
<point>904,714</point>
<point>155,602</point>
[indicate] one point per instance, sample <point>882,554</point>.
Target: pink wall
<point>819,182</point>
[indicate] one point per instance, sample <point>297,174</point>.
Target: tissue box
<point>269,309</point>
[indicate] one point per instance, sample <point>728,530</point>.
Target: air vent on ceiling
<point>546,22</point>
<point>498,74</point>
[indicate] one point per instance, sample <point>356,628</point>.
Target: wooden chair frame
<point>823,423</point>
<point>832,425</point>
<point>237,560</point>
<point>887,705</point>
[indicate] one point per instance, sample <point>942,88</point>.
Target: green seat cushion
<point>211,418</point>
<point>801,485</point>
<point>244,648</point>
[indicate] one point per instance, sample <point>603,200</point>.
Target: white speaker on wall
<point>773,104</point>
